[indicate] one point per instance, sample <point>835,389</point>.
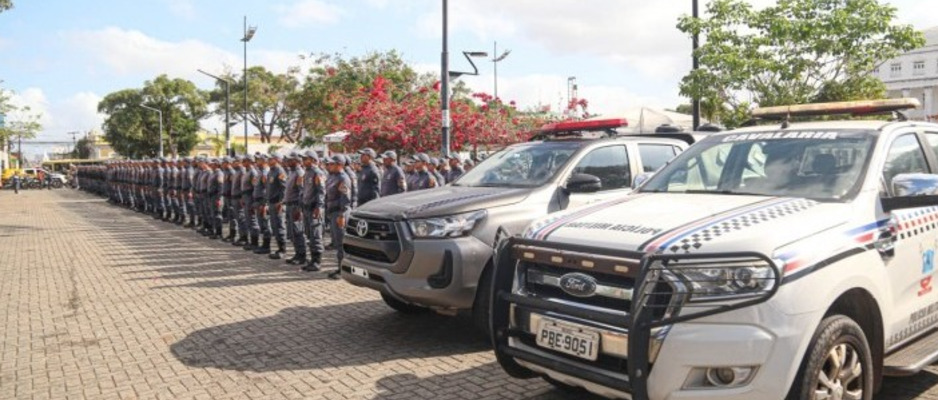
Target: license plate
<point>568,339</point>
<point>359,272</point>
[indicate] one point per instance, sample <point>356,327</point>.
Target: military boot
<point>242,240</point>
<point>252,245</point>
<point>230,237</point>
<point>313,265</point>
<point>264,248</point>
<point>280,251</point>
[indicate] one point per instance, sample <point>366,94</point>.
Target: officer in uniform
<point>338,205</point>
<point>205,222</point>
<point>227,187</point>
<point>313,201</point>
<point>216,204</point>
<point>456,169</point>
<point>160,189</point>
<point>184,186</point>
<point>294,215</point>
<point>394,181</point>
<point>191,183</point>
<point>369,179</point>
<point>276,187</point>
<point>409,172</point>
<point>260,204</point>
<point>350,172</point>
<point>247,199</point>
<point>432,168</point>
<point>235,218</point>
<point>422,178</point>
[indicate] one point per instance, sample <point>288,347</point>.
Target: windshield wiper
<point>726,192</point>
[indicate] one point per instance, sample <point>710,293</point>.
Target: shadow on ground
<point>303,338</point>
<point>908,387</point>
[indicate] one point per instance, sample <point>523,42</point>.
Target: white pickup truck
<point>777,261</point>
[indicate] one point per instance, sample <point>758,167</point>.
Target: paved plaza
<point>100,302</point>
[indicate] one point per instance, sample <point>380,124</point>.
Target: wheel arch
<point>859,305</point>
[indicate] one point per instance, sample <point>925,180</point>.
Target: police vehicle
<point>791,260</point>
<point>430,249</point>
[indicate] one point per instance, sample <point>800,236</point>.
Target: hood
<point>691,223</point>
<point>446,200</point>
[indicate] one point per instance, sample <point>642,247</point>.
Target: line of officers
<point>264,198</point>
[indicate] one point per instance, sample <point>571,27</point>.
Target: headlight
<point>730,279</point>
<point>449,226</point>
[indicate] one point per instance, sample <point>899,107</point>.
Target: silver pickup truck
<point>430,249</point>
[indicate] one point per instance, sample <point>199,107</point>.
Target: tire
<point>482,304</point>
<point>57,184</point>
<point>837,339</point>
<point>401,306</point>
<point>34,185</point>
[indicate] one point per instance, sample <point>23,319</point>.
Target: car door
<point>653,156</point>
<point>611,165</point>
<point>911,269</point>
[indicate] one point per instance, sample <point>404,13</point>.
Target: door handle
<point>886,240</point>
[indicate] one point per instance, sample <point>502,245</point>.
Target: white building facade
<point>915,74</point>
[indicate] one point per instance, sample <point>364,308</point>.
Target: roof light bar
<point>844,107</point>
<point>590,125</point>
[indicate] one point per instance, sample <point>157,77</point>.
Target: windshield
<point>822,165</point>
<point>528,165</point>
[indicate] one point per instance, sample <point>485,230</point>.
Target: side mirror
<point>912,191</point>
<point>584,183</point>
<point>641,178</point>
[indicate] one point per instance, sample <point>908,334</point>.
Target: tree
<point>83,149</point>
<point>798,51</point>
<point>133,131</point>
<point>5,5</point>
<point>268,107</point>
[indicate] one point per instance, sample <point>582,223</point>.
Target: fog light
<point>719,377</point>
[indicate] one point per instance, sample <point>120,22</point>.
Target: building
<point>915,74</point>
<point>101,149</point>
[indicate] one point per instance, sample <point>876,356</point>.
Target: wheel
<point>34,185</point>
<point>401,306</point>
<point>57,184</point>
<point>837,365</point>
<point>482,303</point>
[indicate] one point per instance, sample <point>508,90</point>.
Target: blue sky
<point>61,57</point>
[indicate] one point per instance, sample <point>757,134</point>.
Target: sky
<point>62,57</point>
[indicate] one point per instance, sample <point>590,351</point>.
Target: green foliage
<point>19,122</point>
<point>133,131</point>
<point>83,149</point>
<point>5,5</point>
<point>268,108</point>
<point>798,51</point>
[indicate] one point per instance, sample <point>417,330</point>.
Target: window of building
<point>918,68</point>
<point>895,69</point>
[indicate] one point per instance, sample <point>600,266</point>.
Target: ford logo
<point>361,228</point>
<point>578,285</point>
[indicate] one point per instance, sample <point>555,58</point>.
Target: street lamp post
<point>248,34</point>
<point>695,102</point>
<point>227,112</point>
<point>160,112</point>
<point>74,142</point>
<point>495,62</point>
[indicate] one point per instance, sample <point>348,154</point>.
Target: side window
<point>932,138</point>
<point>655,156</point>
<point>905,157</point>
<point>610,164</point>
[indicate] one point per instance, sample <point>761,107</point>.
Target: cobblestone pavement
<point>100,302</point>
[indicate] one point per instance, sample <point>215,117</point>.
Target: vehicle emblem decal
<point>578,284</point>
<point>361,228</point>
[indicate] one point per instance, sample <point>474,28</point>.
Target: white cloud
<point>309,12</point>
<point>131,52</point>
<point>78,112</point>
<point>182,8</point>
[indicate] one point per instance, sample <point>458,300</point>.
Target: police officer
<point>432,168</point>
<point>456,169</point>
<point>251,226</point>
<point>369,179</point>
<point>260,204</point>
<point>422,178</point>
<point>235,217</point>
<point>294,215</point>
<point>394,180</point>
<point>227,170</point>
<point>276,188</point>
<point>216,200</point>
<point>313,201</point>
<point>191,182</point>
<point>350,172</point>
<point>338,205</point>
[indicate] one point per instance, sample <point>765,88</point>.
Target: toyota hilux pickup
<point>429,249</point>
<point>792,260</point>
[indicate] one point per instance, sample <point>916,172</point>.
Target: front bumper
<point>438,273</point>
<point>662,346</point>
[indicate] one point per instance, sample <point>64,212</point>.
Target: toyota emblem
<point>361,228</point>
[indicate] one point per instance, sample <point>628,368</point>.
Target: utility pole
<point>74,141</point>
<point>695,102</point>
<point>495,62</point>
<point>444,82</point>
<point>248,34</point>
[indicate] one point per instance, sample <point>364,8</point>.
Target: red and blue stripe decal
<point>546,230</point>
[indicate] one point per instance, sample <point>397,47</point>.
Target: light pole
<point>74,142</point>
<point>160,112</point>
<point>227,111</point>
<point>695,102</point>
<point>248,34</point>
<point>495,62</point>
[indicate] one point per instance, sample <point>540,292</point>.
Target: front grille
<point>374,229</point>
<point>539,289</point>
<point>368,254</point>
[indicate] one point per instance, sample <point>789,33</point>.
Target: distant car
<point>58,180</point>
